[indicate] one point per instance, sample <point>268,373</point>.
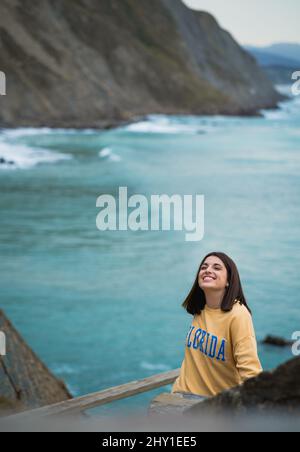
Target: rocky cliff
<point>25,382</point>
<point>98,62</point>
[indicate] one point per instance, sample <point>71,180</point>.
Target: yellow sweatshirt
<point>220,353</point>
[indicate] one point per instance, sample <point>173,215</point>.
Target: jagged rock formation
<point>25,382</point>
<point>98,62</point>
<point>278,390</point>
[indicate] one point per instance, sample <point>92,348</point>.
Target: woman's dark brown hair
<point>196,300</point>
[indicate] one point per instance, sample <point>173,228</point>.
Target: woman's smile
<point>209,278</point>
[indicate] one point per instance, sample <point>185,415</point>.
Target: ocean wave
<point>65,369</point>
<point>167,125</point>
<point>16,156</point>
<point>274,114</point>
<point>31,131</point>
<point>287,109</point>
<point>286,90</point>
<point>107,153</point>
<point>182,125</point>
<point>151,366</point>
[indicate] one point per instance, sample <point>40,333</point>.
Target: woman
<point>221,348</point>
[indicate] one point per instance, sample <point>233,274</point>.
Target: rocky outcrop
<point>95,63</point>
<point>3,161</point>
<point>270,391</point>
<point>25,382</point>
<point>277,341</point>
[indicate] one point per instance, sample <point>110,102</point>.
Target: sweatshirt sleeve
<point>245,345</point>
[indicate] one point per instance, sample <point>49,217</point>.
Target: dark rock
<point>94,63</point>
<point>6,162</point>
<point>270,391</point>
<point>25,382</point>
<point>277,341</point>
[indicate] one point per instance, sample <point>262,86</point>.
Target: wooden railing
<point>81,404</point>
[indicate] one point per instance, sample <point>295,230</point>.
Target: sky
<point>256,22</point>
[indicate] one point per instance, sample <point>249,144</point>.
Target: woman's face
<point>213,274</point>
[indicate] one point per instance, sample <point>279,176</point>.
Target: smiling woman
<point>221,348</point>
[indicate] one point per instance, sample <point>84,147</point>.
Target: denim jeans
<point>189,395</point>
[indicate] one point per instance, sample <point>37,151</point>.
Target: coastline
<point>118,122</point>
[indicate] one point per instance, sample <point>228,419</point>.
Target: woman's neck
<point>214,299</point>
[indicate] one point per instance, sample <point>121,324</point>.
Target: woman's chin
<point>208,286</point>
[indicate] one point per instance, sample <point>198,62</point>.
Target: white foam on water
<point>287,109</point>
<point>151,366</point>
<point>107,153</point>
<point>65,369</point>
<point>274,114</point>
<point>182,125</point>
<point>31,131</point>
<point>286,90</point>
<point>17,156</point>
<point>285,112</point>
<point>150,127</point>
<point>160,124</point>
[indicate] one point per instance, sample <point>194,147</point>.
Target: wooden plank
<point>81,404</point>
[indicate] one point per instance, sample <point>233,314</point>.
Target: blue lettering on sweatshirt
<point>196,339</point>
<point>207,344</point>
<point>221,354</point>
<point>189,336</point>
<point>213,347</point>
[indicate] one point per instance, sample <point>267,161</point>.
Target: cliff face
<point>94,62</point>
<point>25,382</point>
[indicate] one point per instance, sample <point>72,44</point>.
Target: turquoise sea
<point>104,308</point>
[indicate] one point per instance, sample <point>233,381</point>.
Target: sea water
<point>104,308</point>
